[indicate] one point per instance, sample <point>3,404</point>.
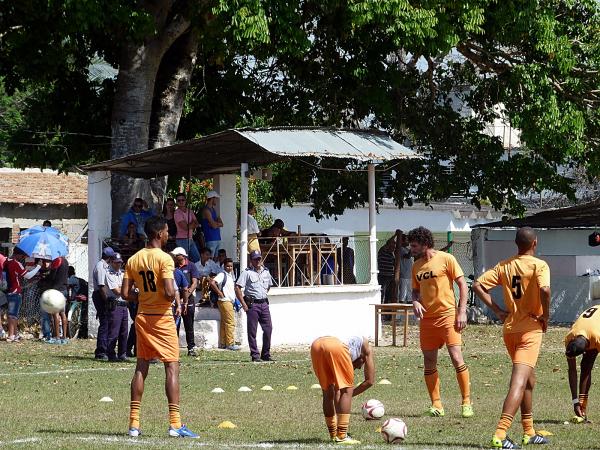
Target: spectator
<point>181,286</point>
<point>224,286</point>
<point>47,223</point>
<point>100,299</point>
<point>276,230</point>
<point>3,289</point>
<point>15,271</point>
<point>190,271</point>
<point>72,284</point>
<point>117,312</point>
<point>206,267</point>
<point>169,214</point>
<point>186,223</point>
<point>385,267</point>
<point>211,223</point>
<point>406,264</point>
<point>345,257</point>
<point>252,288</point>
<point>132,241</point>
<point>221,257</point>
<point>253,230</point>
<point>136,214</point>
<point>56,277</point>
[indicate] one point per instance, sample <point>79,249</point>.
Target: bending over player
<point>525,282</point>
<point>151,269</point>
<point>583,339</point>
<point>334,363</point>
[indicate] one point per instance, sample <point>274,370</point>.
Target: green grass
<point>61,408</point>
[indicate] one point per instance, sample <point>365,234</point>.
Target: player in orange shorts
<point>441,322</point>
<point>334,362</point>
<point>525,282</point>
<point>583,339</point>
<point>151,271</point>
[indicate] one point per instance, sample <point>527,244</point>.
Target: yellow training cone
<point>292,388</point>
<point>227,424</point>
<point>266,388</point>
<point>384,381</point>
<point>316,386</point>
<point>544,433</point>
<point>378,430</point>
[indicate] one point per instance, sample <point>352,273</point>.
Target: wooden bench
<point>392,309</point>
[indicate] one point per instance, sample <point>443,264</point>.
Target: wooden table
<point>391,309</point>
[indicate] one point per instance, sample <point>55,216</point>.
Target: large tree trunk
<point>132,108</point>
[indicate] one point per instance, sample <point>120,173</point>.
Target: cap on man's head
<point>117,257</point>
<point>212,194</point>
<point>179,251</point>
<point>255,255</point>
<point>108,251</point>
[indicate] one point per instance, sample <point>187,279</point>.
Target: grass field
<point>49,398</point>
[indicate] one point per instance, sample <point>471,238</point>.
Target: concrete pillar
<point>243,216</point>
<point>225,185</point>
<point>99,220</point>
<point>372,224</point>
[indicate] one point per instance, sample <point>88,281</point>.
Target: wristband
<point>575,401</point>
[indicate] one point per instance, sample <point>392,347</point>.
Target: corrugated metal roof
<point>584,216</point>
<point>223,152</point>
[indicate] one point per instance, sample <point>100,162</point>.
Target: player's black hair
<point>278,223</point>
<point>180,194</point>
<point>153,226</point>
<point>222,251</point>
<point>525,237</point>
<point>227,261</point>
<point>205,249</point>
<point>421,235</point>
<point>18,251</point>
<point>576,347</point>
<point>71,271</point>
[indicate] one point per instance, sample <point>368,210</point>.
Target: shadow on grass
<point>81,432</point>
<point>319,441</point>
<point>446,445</point>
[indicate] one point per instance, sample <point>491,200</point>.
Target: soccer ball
<point>372,409</point>
<point>52,301</point>
<point>394,431</point>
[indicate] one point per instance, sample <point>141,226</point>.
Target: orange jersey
<point>521,278</point>
<point>434,279</point>
<point>588,326</point>
<point>149,268</point>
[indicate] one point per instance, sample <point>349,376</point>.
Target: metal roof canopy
<point>583,216</point>
<point>223,152</point>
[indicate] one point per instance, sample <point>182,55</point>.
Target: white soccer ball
<point>53,301</point>
<point>394,431</point>
<point>373,409</point>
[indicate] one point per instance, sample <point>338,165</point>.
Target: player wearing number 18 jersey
<point>525,282</point>
<point>583,339</point>
<point>151,270</point>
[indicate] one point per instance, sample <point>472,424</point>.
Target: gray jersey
<point>255,284</point>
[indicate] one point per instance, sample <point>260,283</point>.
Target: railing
<point>313,260</point>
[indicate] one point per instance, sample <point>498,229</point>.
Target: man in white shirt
<point>118,313</point>
<point>223,285</point>
<point>253,230</point>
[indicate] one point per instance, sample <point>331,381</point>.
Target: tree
<point>395,65</point>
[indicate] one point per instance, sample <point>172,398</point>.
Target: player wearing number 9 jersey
<point>583,339</point>
<point>151,270</point>
<point>525,282</point>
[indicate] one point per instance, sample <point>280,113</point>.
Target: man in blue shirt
<point>136,215</point>
<point>188,305</point>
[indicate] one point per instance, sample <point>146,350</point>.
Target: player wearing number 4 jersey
<point>151,271</point>
<point>583,339</point>
<point>525,282</point>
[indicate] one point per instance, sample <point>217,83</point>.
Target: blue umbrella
<point>47,243</point>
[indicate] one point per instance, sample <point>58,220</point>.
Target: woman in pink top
<point>186,223</point>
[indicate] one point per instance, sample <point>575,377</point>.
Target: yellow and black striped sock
<point>174,417</point>
<point>134,414</point>
<point>342,425</point>
<point>432,380</point>
<point>463,378</point>
<point>583,401</point>
<point>503,425</point>
<point>527,422</point>
<point>331,425</point>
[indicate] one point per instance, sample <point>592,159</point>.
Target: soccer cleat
<point>503,443</point>
<point>346,441</point>
<point>435,412</point>
<point>467,410</point>
<point>194,351</point>
<point>134,432</point>
<point>535,439</point>
<point>234,348</point>
<point>183,432</point>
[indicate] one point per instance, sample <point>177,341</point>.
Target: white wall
<point>357,220</point>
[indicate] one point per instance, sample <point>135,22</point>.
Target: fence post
<point>448,240</point>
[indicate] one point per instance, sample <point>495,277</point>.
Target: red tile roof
<point>32,186</point>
